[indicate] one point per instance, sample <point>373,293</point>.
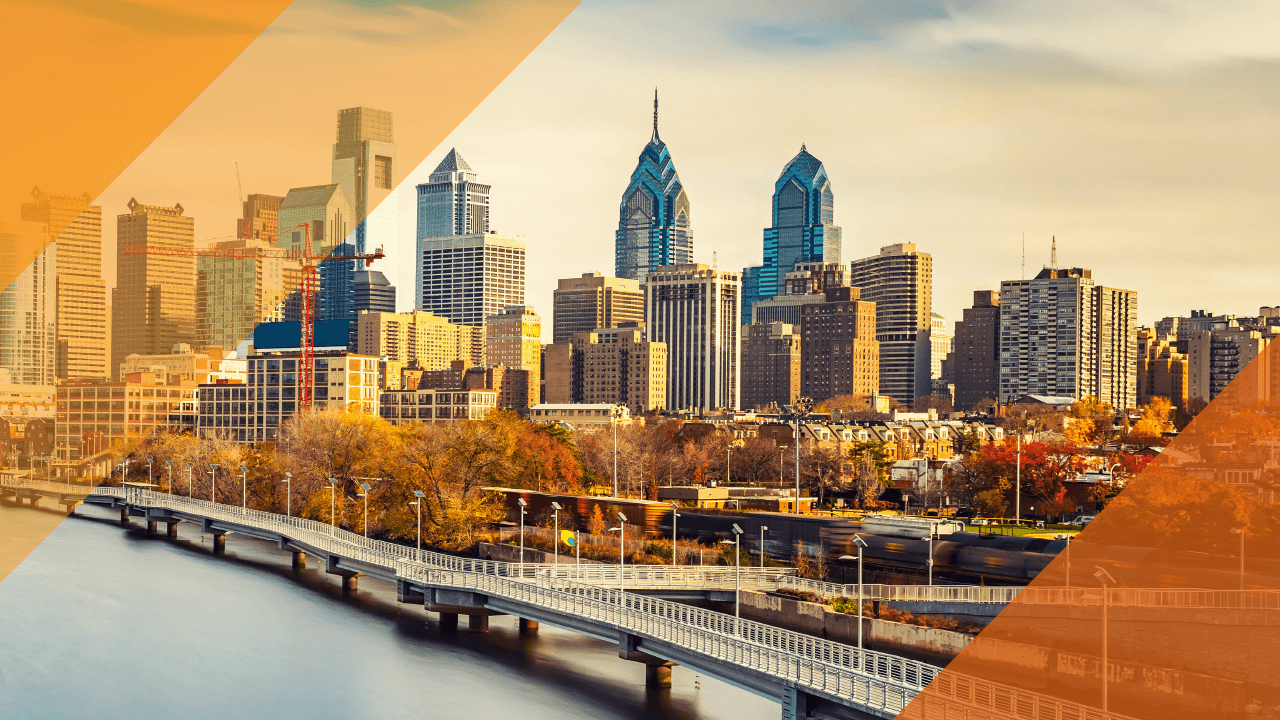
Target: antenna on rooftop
<point>1053,253</point>
<point>1024,256</point>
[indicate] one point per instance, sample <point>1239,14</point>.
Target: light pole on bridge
<point>365,495</point>
<point>736,542</point>
<point>288,494</point>
<point>333,494</point>
<point>421,499</point>
<point>521,502</point>
<point>170,464</point>
<point>622,554</point>
<point>675,514</point>
<point>213,483</point>
<point>190,484</point>
<point>555,541</point>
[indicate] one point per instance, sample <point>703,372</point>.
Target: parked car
<point>1082,520</point>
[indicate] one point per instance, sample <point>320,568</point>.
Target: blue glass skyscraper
<point>653,224</point>
<point>803,229</point>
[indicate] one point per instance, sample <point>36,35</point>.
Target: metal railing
<point>863,678</point>
<point>860,677</point>
<point>903,593</point>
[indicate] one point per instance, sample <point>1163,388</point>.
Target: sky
<point>1141,135</point>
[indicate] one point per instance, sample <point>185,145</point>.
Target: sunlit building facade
<point>654,224</point>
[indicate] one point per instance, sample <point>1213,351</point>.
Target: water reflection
<point>102,621</point>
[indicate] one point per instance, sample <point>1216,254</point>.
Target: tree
<point>925,403</point>
<point>871,463</point>
<point>985,479</point>
<point>1092,422</point>
<point>820,468</point>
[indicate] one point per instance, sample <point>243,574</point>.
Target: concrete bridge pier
<point>478,623</point>
<point>657,671</point>
<point>171,529</point>
<point>152,526</point>
<point>449,621</point>
<point>349,582</point>
<point>219,543</point>
<point>299,560</point>
<point>69,504</point>
<point>528,627</point>
<point>124,515</point>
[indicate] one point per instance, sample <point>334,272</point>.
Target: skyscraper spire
<point>655,114</point>
<point>1053,253</point>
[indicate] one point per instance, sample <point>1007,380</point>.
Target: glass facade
<point>654,217</point>
<point>803,229</point>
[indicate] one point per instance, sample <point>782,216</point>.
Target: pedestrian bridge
<point>810,677</point>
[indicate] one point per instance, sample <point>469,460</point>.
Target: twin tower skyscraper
<point>654,226</point>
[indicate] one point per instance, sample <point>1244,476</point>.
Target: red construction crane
<point>310,264</point>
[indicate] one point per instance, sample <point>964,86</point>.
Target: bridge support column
<point>657,676</point>
<point>299,559</point>
<point>478,623</point>
<point>795,704</point>
<point>152,526</point>
<point>171,530</point>
<point>349,583</point>
<point>124,516</point>
<point>70,505</point>
<point>219,544</point>
<point>528,627</point>
<point>449,621</point>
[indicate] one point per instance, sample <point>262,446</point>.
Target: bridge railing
<point>903,593</point>
<point>384,554</point>
<point>888,685</point>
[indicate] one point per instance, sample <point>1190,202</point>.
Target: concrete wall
<point>913,641</point>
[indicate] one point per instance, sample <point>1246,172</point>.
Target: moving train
<point>895,546</point>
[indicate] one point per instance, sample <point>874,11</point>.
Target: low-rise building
<point>580,415</point>
<point>92,414</point>
<point>400,407</point>
<point>611,366</point>
<point>207,364</point>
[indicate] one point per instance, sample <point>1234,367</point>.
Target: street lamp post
<point>1240,531</point>
<point>169,463</point>
<point>213,483</point>
<point>244,487</point>
<point>288,494</point>
<point>857,540</point>
<point>333,499</point>
<point>555,541</point>
<point>622,553</point>
<point>728,449</point>
<point>614,413</point>
<point>150,481</point>
<point>365,495</point>
<point>419,494</point>
<point>930,537</point>
<point>800,410</point>
<point>190,491</point>
<point>763,530</point>
<point>736,542</point>
<point>1105,578</point>
<point>675,513</point>
<point>124,471</point>
<point>1017,493</point>
<point>521,502</point>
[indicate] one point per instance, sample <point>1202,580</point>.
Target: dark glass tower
<point>653,224</point>
<point>803,229</point>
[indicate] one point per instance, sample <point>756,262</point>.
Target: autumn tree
<point>871,462</point>
<point>1092,422</point>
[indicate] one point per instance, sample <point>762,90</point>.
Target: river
<point>104,622</point>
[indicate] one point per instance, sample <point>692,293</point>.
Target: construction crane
<point>310,265</point>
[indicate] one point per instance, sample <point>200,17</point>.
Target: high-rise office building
<point>451,202</point>
<point>900,282</point>
<point>804,285</point>
<point>839,353</point>
<point>420,339</point>
<point>260,219</point>
<point>373,292</point>
<point>583,304</point>
<point>695,309</point>
<point>236,291</point>
<point>513,339</point>
<point>83,345</point>
<point>1062,334</point>
<point>364,164</point>
<point>28,306</point>
<point>617,365</point>
<point>975,359</point>
<point>803,228</point>
<point>467,278</point>
<point>770,365</point>
<point>654,219</point>
<point>154,301</point>
<point>326,209</point>
<point>939,348</point>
